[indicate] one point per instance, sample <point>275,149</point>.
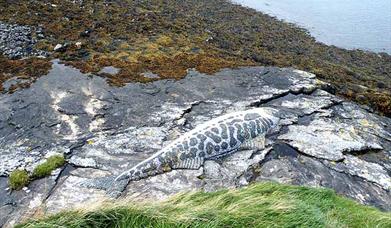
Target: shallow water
<point>351,24</point>
<point>109,70</point>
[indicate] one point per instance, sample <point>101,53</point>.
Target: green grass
<point>46,168</point>
<point>18,179</point>
<point>259,205</point>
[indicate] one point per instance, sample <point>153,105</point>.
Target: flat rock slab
<point>328,139</point>
<point>321,141</point>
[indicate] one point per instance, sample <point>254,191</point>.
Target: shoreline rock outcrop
<point>322,140</point>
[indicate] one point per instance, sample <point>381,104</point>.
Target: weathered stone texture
<point>321,141</point>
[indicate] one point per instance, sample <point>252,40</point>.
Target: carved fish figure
<point>211,140</point>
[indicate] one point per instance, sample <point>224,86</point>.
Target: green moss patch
<point>46,168</point>
<point>21,178</point>
<point>259,205</point>
<point>18,179</point>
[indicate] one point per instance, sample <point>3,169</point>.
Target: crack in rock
<point>327,139</point>
<point>369,171</point>
<point>106,130</point>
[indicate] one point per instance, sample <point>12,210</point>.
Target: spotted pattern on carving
<point>211,141</point>
<point>224,133</point>
<point>180,147</point>
<point>232,140</point>
<point>201,137</point>
<point>253,129</point>
<point>251,116</point>
<point>201,146</point>
<point>185,145</point>
<point>193,152</point>
<point>259,128</point>
<point>214,137</point>
<point>236,121</point>
<point>264,124</point>
<point>215,130</point>
<point>270,122</point>
<point>240,133</point>
<point>246,131</point>
<point>193,141</point>
<point>224,146</point>
<point>209,148</point>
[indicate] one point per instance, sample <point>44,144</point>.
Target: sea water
<point>350,24</point>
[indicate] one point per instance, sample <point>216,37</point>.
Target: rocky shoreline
<point>323,140</point>
<point>167,39</point>
<point>106,97</point>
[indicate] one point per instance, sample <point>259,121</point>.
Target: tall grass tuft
<point>259,205</point>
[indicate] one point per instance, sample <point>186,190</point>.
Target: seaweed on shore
<point>25,70</point>
<point>166,37</point>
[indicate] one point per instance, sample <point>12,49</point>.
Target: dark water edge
<point>350,24</point>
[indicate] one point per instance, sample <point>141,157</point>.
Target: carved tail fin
<point>150,167</point>
<point>125,175</point>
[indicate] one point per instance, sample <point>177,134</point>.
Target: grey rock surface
<point>322,140</point>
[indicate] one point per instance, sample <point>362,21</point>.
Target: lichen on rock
<point>322,140</point>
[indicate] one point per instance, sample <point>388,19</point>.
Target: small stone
<point>361,98</point>
<point>58,47</point>
<point>381,85</point>
<point>78,45</point>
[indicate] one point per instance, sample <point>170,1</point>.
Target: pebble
<point>78,44</point>
<point>58,47</point>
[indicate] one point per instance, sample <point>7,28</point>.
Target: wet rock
<point>150,75</point>
<point>109,70</point>
<point>321,140</point>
